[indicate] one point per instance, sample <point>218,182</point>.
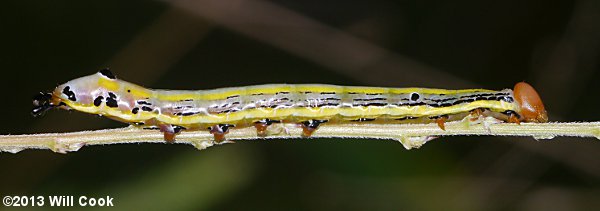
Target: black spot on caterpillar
<point>107,73</point>
<point>98,101</point>
<point>70,94</point>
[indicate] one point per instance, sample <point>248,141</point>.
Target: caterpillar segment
<point>307,105</point>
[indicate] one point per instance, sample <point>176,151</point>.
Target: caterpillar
<point>259,106</point>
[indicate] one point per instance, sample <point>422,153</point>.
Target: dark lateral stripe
<point>277,105</point>
<point>370,99</point>
<point>363,120</point>
<point>185,113</point>
<point>463,99</point>
<point>141,102</point>
<point>370,104</point>
<point>228,111</point>
<point>284,102</point>
<point>410,104</point>
<point>483,95</point>
<point>182,107</point>
<point>407,117</point>
<point>437,117</point>
<point>440,100</point>
<point>438,105</point>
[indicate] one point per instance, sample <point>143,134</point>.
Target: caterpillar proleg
<point>308,105</point>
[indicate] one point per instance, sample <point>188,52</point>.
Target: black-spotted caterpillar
<point>259,106</point>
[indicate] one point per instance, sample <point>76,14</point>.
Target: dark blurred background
<point>553,45</point>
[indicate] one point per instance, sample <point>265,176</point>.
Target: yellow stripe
<point>219,94</point>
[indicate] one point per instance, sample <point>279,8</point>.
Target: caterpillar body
<point>259,106</point>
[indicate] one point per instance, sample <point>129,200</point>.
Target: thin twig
<point>410,135</point>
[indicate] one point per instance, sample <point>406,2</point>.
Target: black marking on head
<point>146,108</point>
<point>135,110</point>
<point>111,102</point>
<point>41,103</point>
<point>70,94</point>
<point>112,95</point>
<point>129,91</point>
<point>414,96</point>
<point>107,73</point>
<point>98,101</point>
<point>42,99</point>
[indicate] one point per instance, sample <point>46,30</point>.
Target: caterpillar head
<point>80,91</point>
<point>532,108</point>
